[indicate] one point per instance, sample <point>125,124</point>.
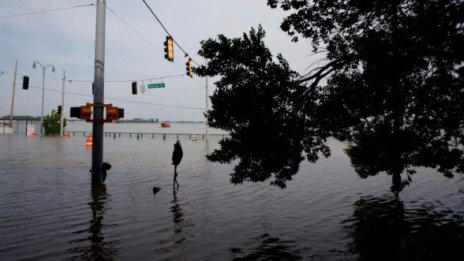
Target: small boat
<point>165,125</point>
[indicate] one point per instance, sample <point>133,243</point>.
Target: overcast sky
<point>66,39</point>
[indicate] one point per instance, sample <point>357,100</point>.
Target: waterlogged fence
<point>137,131</point>
<point>141,135</point>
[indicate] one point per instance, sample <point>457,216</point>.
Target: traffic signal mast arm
<point>85,112</point>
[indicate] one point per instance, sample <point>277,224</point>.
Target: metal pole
<point>62,106</point>
<point>206,106</point>
<point>13,95</point>
<point>43,95</point>
<point>98,98</point>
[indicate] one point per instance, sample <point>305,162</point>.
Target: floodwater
<point>48,210</point>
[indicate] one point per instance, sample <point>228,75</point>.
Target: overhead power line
<point>132,28</point>
<point>123,100</point>
<point>136,80</point>
<point>44,11</point>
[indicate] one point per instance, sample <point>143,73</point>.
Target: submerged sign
<point>156,85</point>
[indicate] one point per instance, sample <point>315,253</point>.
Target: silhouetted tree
<point>255,102</point>
<point>393,75</point>
<point>394,79</point>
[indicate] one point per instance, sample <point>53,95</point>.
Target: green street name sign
<point>156,85</point>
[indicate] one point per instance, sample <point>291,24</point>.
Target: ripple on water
<point>49,211</point>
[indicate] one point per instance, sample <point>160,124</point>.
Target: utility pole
<point>62,106</point>
<point>206,107</point>
<point>98,98</point>
<point>13,95</point>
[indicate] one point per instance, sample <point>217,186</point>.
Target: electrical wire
<point>139,80</point>
<point>123,100</point>
<point>132,28</point>
<point>115,81</point>
<point>44,11</point>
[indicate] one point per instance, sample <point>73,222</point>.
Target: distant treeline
<point>135,120</point>
<point>21,118</point>
<point>139,120</point>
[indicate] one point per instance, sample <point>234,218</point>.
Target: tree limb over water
<point>392,86</point>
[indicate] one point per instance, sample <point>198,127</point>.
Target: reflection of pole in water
<point>96,205</point>
<point>98,248</point>
<point>177,215</point>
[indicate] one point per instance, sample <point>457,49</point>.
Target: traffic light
<point>83,112</point>
<point>112,113</point>
<point>25,82</point>
<point>169,49</point>
<point>189,67</point>
<point>134,88</point>
<point>86,112</point>
<point>59,109</point>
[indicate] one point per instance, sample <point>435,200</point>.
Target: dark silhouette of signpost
<point>176,158</point>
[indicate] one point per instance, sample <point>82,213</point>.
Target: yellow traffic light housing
<point>83,112</point>
<point>169,49</point>
<point>112,113</point>
<point>189,67</point>
<point>86,112</point>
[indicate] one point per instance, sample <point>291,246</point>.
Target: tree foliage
<point>51,123</point>
<point>255,101</point>
<point>392,84</point>
<point>395,79</point>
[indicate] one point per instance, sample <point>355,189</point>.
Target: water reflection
<point>383,229</point>
<point>94,246</point>
<point>378,148</point>
<point>177,215</point>
<point>266,247</point>
<point>175,244</point>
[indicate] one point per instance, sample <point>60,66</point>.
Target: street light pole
<point>13,95</point>
<point>62,107</point>
<point>44,67</point>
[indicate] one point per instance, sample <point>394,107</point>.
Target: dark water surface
<point>48,210</point>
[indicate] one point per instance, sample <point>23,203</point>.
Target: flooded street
<point>327,212</point>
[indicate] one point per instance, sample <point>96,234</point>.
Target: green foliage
<point>51,123</point>
<point>394,79</point>
<point>255,101</point>
<point>392,84</point>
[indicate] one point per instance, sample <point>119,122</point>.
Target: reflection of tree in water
<point>266,247</point>
<point>382,229</point>
<point>99,249</point>
<point>378,148</point>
